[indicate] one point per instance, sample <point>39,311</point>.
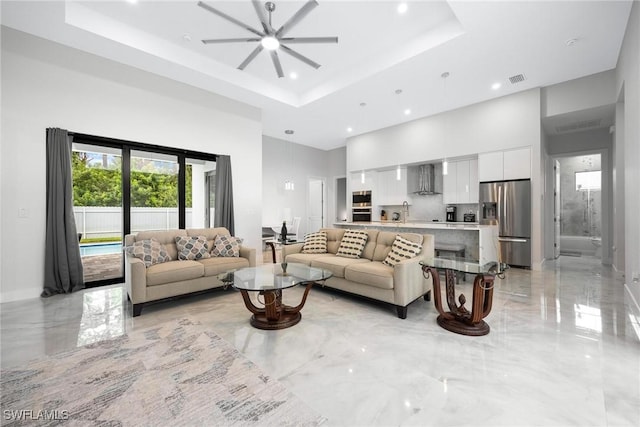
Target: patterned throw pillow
<point>315,243</point>
<point>226,246</point>
<point>150,251</point>
<point>192,247</point>
<point>401,249</point>
<point>352,244</point>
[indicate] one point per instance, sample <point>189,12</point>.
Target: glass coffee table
<point>269,280</point>
<point>458,319</point>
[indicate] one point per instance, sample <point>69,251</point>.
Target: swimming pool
<point>100,249</point>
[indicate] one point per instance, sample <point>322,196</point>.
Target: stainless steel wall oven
<point>361,206</point>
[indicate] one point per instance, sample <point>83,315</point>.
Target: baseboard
<point>21,295</point>
<point>537,266</point>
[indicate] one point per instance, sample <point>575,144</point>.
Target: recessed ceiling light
<point>402,8</point>
<point>349,130</point>
<point>289,132</point>
<point>407,111</point>
<point>132,1</point>
<point>571,42</point>
<point>293,75</point>
<point>496,86</point>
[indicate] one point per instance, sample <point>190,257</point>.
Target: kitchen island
<point>480,241</point>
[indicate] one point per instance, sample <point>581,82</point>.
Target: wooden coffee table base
<point>274,315</point>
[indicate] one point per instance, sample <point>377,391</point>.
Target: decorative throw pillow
<point>151,251</point>
<point>401,249</point>
<point>352,244</point>
<point>226,246</point>
<point>192,247</point>
<point>315,243</point>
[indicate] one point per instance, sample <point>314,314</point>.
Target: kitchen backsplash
<point>428,208</point>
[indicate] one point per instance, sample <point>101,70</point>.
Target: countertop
<point>417,224</point>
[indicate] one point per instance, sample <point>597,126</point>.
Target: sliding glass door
<point>154,191</point>
<point>97,206</point>
<point>123,187</point>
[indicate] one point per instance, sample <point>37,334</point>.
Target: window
<point>588,180</point>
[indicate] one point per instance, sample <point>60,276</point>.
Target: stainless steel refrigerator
<point>508,204</point>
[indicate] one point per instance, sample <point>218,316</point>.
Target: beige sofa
<point>172,278</point>
<point>367,276</point>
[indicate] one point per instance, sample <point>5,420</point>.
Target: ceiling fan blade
<point>252,55</point>
<point>229,18</point>
<point>297,17</point>
<point>299,56</point>
<point>290,40</point>
<point>212,41</point>
<point>264,20</point>
<point>276,63</point>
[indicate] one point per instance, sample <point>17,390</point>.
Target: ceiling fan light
<point>270,43</point>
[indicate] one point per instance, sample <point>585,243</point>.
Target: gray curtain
<point>62,263</point>
<point>224,194</point>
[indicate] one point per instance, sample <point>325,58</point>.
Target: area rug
<point>176,374</point>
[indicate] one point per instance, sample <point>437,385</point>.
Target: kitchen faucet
<point>405,211</point>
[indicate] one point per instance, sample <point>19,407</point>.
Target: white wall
<point>628,77</point>
<point>509,122</point>
<point>283,160</point>
<point>47,85</point>
<point>579,94</point>
<point>618,185</point>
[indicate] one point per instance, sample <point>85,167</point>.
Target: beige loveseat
<point>367,276</point>
<point>177,277</point>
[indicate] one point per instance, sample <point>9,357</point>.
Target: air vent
<point>517,78</point>
<point>584,124</point>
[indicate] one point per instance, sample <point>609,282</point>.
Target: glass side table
<point>458,319</point>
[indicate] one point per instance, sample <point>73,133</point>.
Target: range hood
<point>427,180</point>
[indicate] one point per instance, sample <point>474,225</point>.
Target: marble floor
<point>564,349</point>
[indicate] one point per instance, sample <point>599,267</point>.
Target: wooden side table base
<point>459,319</point>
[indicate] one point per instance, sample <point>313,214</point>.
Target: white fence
<point>107,221</point>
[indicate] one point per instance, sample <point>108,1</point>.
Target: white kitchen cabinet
<point>474,183</point>
<point>460,185</point>
<point>450,184</point>
<point>517,163</point>
<point>490,166</point>
<point>462,182</point>
<point>390,189</point>
<point>505,165</point>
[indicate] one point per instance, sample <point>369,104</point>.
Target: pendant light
<point>289,184</point>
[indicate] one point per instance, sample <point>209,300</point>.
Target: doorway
<point>341,199</point>
<point>580,205</point>
<point>315,205</point>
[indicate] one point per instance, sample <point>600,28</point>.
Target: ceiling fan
<point>270,38</point>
